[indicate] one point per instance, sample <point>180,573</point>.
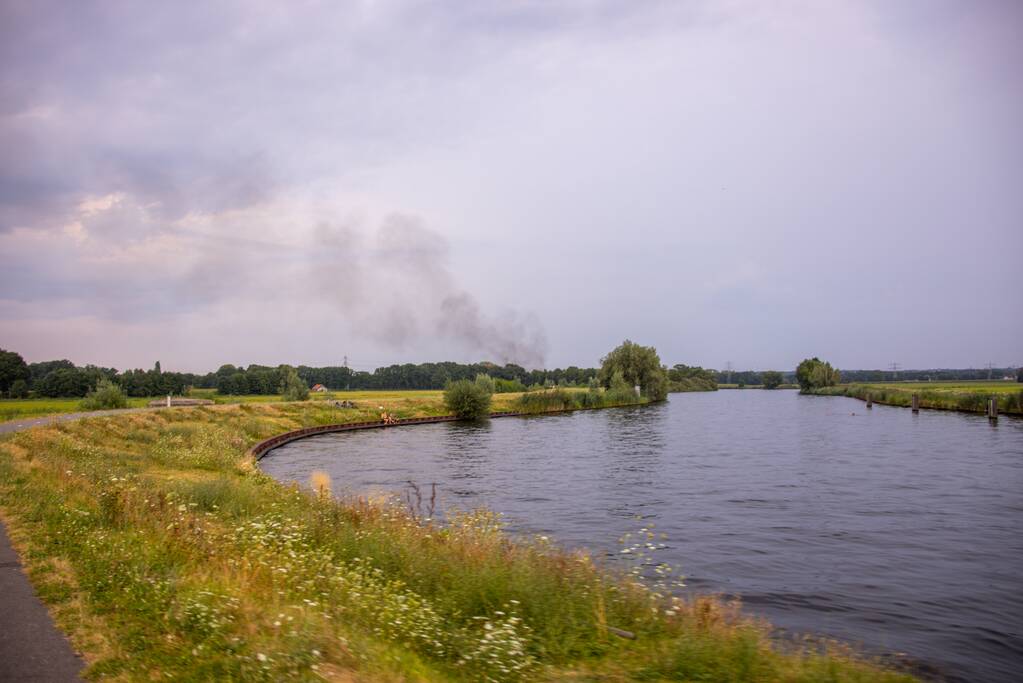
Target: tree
<point>19,389</point>
<point>40,370</point>
<point>292,386</point>
<point>639,365</point>
<point>64,382</point>
<point>813,373</point>
<point>771,379</point>
<point>467,399</point>
<point>12,368</point>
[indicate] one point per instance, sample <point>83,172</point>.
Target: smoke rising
<point>394,286</point>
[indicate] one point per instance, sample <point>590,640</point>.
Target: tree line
<point>62,378</point>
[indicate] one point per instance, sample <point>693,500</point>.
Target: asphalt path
<point>32,648</point>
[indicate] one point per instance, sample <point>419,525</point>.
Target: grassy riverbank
<point>964,396</point>
<point>164,552</point>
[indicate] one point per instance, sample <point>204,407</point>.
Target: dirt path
<point>18,425</point>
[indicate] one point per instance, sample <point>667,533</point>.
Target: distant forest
<point>62,378</point>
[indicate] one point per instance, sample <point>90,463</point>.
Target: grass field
<point>993,387</point>
<point>25,408</point>
<point>21,409</point>
<point>164,552</point>
<point>964,396</point>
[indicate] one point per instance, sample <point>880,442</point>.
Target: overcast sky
<point>204,183</point>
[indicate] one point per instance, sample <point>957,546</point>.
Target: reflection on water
<point>895,530</point>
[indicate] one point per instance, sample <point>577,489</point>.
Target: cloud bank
<point>247,182</point>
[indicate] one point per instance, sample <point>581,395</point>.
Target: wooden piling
<point>916,403</point>
<point>870,401</point>
<point>992,408</point>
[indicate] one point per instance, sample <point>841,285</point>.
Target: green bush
<point>508,386</point>
<point>486,382</point>
<point>293,387</point>
<point>771,379</point>
<point>467,400</point>
<point>105,396</point>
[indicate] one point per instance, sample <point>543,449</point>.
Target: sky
<point>530,182</point>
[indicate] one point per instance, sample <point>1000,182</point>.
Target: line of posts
<point>992,405</point>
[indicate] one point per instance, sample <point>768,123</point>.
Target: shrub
<point>771,379</point>
<point>105,396</point>
<point>621,392</point>
<point>292,386</point>
<point>467,400</point>
<point>486,382</point>
<point>508,386</point>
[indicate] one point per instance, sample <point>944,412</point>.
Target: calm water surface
<point>896,531</point>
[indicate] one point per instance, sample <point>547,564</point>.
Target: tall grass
<point>561,399</point>
<point>165,553</point>
<point>966,399</point>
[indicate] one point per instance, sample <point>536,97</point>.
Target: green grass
<point>164,552</point>
<point>27,408</point>
<point>963,396</point>
<point>993,387</point>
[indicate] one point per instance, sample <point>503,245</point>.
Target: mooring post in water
<point>916,403</point>
<point>992,408</point>
<point>870,401</point>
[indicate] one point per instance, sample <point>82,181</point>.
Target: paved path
<point>18,425</point>
<point>31,646</point>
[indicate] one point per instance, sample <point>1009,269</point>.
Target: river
<point>894,531</point>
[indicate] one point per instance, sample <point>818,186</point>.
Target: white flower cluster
<point>495,649</point>
<point>499,653</point>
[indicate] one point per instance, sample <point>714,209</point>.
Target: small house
<point>319,388</point>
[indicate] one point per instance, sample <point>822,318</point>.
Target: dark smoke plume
<point>395,286</point>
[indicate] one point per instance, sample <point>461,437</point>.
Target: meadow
<point>164,552</point>
<point>968,396</point>
<point>27,408</point>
